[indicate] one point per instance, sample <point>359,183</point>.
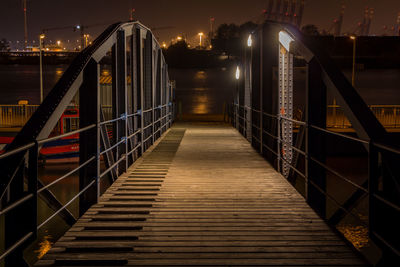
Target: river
<point>198,92</point>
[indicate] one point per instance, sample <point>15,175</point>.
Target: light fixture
<point>237,73</point>
<point>249,41</point>
<point>285,39</point>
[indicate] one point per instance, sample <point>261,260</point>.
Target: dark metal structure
<point>303,154</point>
<point>142,112</point>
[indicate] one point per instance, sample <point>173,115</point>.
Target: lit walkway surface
<point>201,196</point>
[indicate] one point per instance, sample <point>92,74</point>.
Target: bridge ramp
<point>202,196</point>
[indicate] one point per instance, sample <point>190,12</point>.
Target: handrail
<point>36,131</point>
<point>382,153</point>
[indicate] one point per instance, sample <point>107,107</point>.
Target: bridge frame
<point>142,112</point>
<point>270,127</point>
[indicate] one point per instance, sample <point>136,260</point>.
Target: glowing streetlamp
<point>237,74</point>
<point>353,76</point>
<point>201,37</point>
<point>58,43</point>
<point>249,41</point>
<point>41,38</point>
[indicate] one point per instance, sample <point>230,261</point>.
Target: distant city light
<point>201,36</point>
<point>352,37</point>
<point>179,38</point>
<point>78,27</point>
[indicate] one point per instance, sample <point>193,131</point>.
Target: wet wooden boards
<point>205,200</point>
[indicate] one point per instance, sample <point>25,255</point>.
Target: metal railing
<point>15,115</point>
<point>270,121</point>
<point>388,116</point>
<point>134,129</point>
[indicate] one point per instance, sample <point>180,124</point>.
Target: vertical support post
<point>121,95</point>
<point>148,84</point>
<point>33,188</point>
<point>372,186</point>
<point>88,146</point>
<point>261,47</point>
<point>316,141</point>
<point>135,47</point>
<point>140,85</point>
<point>15,219</point>
<point>115,103</point>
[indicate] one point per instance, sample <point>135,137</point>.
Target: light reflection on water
<point>44,246</point>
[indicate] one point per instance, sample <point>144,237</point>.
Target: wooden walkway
<point>201,197</point>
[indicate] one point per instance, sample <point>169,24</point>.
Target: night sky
<point>187,17</point>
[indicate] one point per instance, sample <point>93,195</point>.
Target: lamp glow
<point>249,41</point>
<point>237,76</point>
<point>285,39</point>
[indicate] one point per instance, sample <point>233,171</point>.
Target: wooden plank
<point>222,205</point>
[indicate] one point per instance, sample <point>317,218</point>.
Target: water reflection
<point>44,246</point>
<point>202,104</point>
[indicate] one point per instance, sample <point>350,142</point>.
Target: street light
<point>201,36</point>
<point>237,74</point>
<point>41,38</point>
<point>249,41</point>
<point>353,76</point>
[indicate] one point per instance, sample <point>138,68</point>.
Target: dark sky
<point>188,17</point>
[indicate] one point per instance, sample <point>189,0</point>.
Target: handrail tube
<point>17,244</point>
<point>67,175</point>
<point>338,174</point>
<point>386,148</point>
<point>336,202</point>
<point>294,168</point>
<point>271,150</point>
<point>112,167</point>
<point>270,115</point>
<point>132,115</point>
<point>149,110</point>
<point>293,147</point>
<point>386,243</point>
<point>112,147</point>
<point>17,150</point>
<point>66,205</point>
<point>16,204</point>
<point>271,135</point>
<point>339,134</point>
<point>132,135</point>
<point>294,121</point>
<point>133,150</point>
<point>387,202</point>
<point>47,140</point>
<point>111,121</point>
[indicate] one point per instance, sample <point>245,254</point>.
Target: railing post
<point>88,146</point>
<point>372,185</point>
<point>121,96</point>
<point>278,142</point>
<point>33,188</point>
<point>316,141</point>
<point>261,47</point>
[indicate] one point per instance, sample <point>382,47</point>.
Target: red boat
<point>62,150</point>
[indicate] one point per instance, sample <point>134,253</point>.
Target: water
<point>199,92</point>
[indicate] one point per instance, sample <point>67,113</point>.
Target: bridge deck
<point>206,199</point>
